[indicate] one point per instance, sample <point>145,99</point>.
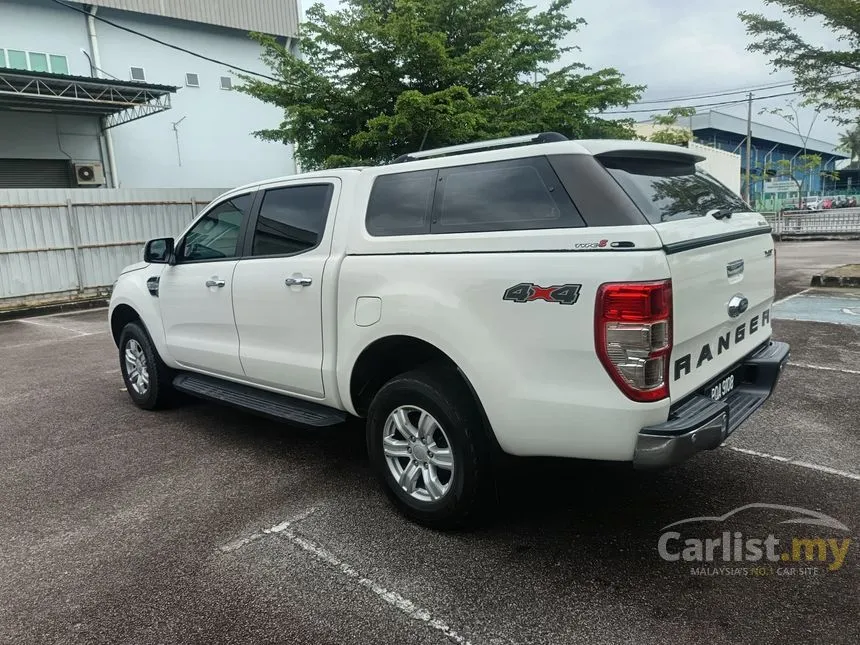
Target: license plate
<point>718,390</point>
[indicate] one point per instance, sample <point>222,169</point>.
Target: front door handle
<point>298,280</point>
<point>215,282</point>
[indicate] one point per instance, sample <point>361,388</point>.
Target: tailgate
<point>722,289</point>
<point>720,258</point>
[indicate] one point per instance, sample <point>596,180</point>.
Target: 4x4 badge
<point>565,294</point>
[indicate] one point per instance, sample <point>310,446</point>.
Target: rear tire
<point>147,379</point>
<point>429,448</point>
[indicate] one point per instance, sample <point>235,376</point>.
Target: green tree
<point>379,78</point>
<point>669,132</point>
<point>829,77</point>
<point>798,170</point>
<point>849,142</point>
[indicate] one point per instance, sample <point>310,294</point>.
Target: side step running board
<point>267,404</point>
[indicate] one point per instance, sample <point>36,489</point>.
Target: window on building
<point>38,62</point>
<point>226,83</point>
<point>33,61</point>
<point>292,219</point>
<point>400,203</point>
<point>17,59</point>
<point>138,74</point>
<point>59,64</point>
<point>192,80</point>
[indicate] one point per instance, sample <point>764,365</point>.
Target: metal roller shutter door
<point>35,173</point>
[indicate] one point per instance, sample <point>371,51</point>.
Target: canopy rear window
<point>666,190</point>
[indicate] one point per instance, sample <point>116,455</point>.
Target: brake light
<point>633,336</point>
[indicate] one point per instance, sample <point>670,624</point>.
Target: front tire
<point>147,379</point>
<point>429,448</point>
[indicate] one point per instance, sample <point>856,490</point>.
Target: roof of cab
<point>615,147</point>
<point>301,175</point>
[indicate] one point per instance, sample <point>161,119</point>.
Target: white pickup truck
<point>530,296</point>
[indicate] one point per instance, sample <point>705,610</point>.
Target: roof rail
<point>478,146</point>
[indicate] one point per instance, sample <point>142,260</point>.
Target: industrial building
<point>99,93</point>
<point>769,144</point>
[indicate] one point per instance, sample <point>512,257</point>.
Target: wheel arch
<point>386,357</point>
<point>122,315</point>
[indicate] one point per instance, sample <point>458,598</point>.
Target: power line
<point>161,42</point>
<point>717,93</point>
<point>702,105</point>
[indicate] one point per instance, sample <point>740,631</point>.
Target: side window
<point>216,235</point>
<point>400,203</point>
<point>518,194</point>
<point>292,219</point>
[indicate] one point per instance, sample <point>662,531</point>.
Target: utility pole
<point>749,145</point>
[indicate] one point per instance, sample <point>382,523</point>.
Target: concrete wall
<point>40,26</point>
<point>215,140</point>
<point>36,135</point>
<point>723,165</point>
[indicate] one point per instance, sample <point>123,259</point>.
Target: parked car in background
<point>819,203</point>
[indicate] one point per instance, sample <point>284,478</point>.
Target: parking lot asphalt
<point>202,524</point>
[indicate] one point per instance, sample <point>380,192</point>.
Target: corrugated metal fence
<point>840,221</point>
<point>58,245</point>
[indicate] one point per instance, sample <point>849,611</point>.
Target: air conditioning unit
<point>89,174</point>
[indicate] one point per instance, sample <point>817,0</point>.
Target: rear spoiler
<point>639,150</point>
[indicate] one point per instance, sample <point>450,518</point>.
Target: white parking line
<point>824,368</point>
<point>39,343</point>
<point>796,462</point>
<point>277,528</point>
<point>30,321</point>
<point>393,598</point>
<point>399,602</point>
<point>794,295</point>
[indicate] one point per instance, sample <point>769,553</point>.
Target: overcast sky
<point>682,48</point>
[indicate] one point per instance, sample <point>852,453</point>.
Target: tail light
<point>633,336</point>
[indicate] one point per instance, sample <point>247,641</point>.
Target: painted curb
<point>851,282</point>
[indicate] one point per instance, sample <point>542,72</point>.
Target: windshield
<point>669,190</point>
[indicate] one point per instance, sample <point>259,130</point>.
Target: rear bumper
<point>700,423</point>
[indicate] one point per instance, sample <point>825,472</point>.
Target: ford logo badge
<point>737,305</point>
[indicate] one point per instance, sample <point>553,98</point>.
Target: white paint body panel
<point>533,366</point>
<point>280,327</point>
<point>701,290</point>
<point>198,321</point>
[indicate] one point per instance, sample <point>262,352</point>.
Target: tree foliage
<point>378,78</point>
<point>829,77</point>
<point>669,132</point>
<point>798,170</point>
<point>849,142</point>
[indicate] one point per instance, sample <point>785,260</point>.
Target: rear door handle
<point>216,282</point>
<point>298,281</point>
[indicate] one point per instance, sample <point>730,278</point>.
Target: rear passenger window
<point>518,194</point>
<point>291,220</point>
<point>400,203</point>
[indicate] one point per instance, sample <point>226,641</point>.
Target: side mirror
<point>159,251</point>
